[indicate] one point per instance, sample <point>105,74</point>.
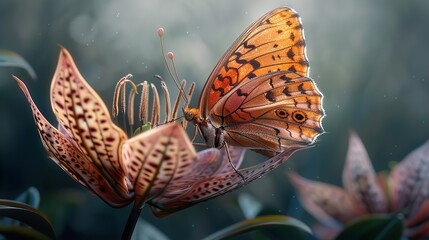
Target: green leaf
<point>377,227</point>
<point>286,226</point>
<point>31,196</point>
<point>27,215</point>
<point>12,59</point>
<point>21,232</point>
<point>145,127</point>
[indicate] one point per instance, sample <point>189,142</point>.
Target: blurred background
<point>369,58</point>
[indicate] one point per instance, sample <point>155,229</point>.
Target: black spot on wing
<point>270,96</point>
<point>290,54</point>
<point>255,64</point>
<point>271,83</point>
<point>240,93</point>
<point>248,46</point>
<point>238,56</point>
<point>285,78</point>
<point>286,92</point>
<point>301,89</point>
<point>251,75</point>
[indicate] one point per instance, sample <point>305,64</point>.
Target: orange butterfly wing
<point>274,42</point>
<point>270,113</point>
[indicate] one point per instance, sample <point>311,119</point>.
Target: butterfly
<point>259,95</point>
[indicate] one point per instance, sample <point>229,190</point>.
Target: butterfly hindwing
<point>271,112</point>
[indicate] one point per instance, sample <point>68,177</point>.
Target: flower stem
<point>131,222</point>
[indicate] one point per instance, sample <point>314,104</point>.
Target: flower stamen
<point>120,86</point>
<point>155,109</point>
<point>167,102</point>
<point>144,104</point>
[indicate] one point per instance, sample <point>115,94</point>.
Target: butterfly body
<point>259,95</point>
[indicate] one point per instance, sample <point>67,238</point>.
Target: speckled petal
<point>359,177</point>
<point>85,117</point>
<point>409,180</point>
<point>218,184</point>
<point>157,158</point>
<point>66,154</point>
<point>329,204</point>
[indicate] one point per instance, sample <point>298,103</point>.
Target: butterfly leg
<point>230,162</point>
<point>195,133</point>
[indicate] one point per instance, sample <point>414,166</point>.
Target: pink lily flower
<point>405,189</point>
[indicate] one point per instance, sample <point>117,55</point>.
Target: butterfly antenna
<point>177,102</point>
<point>170,55</point>
<point>230,161</point>
<point>190,92</point>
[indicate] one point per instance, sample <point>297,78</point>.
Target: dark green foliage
<point>379,227</point>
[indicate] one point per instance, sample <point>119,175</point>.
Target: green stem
<point>131,222</point>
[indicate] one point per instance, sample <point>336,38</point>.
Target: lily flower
<point>159,166</point>
<point>405,190</point>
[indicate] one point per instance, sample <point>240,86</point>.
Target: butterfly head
<point>192,115</point>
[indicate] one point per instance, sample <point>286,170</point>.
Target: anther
<point>120,86</point>
<point>144,104</point>
<point>170,55</point>
<point>160,32</point>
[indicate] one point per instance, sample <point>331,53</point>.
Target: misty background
<point>370,59</point>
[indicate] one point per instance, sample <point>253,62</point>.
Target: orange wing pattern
<point>271,112</point>
<point>274,42</point>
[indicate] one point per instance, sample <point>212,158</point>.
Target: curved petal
<point>208,162</point>
<point>85,117</point>
<point>324,232</point>
<point>218,184</point>
<point>359,177</point>
<point>157,158</point>
<point>65,153</point>
<point>409,180</point>
<point>236,154</point>
<point>326,203</point>
<point>418,226</point>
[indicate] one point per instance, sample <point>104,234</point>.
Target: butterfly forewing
<point>274,42</point>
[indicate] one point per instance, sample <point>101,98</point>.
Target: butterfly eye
<point>189,116</point>
<point>299,116</point>
<point>281,113</point>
